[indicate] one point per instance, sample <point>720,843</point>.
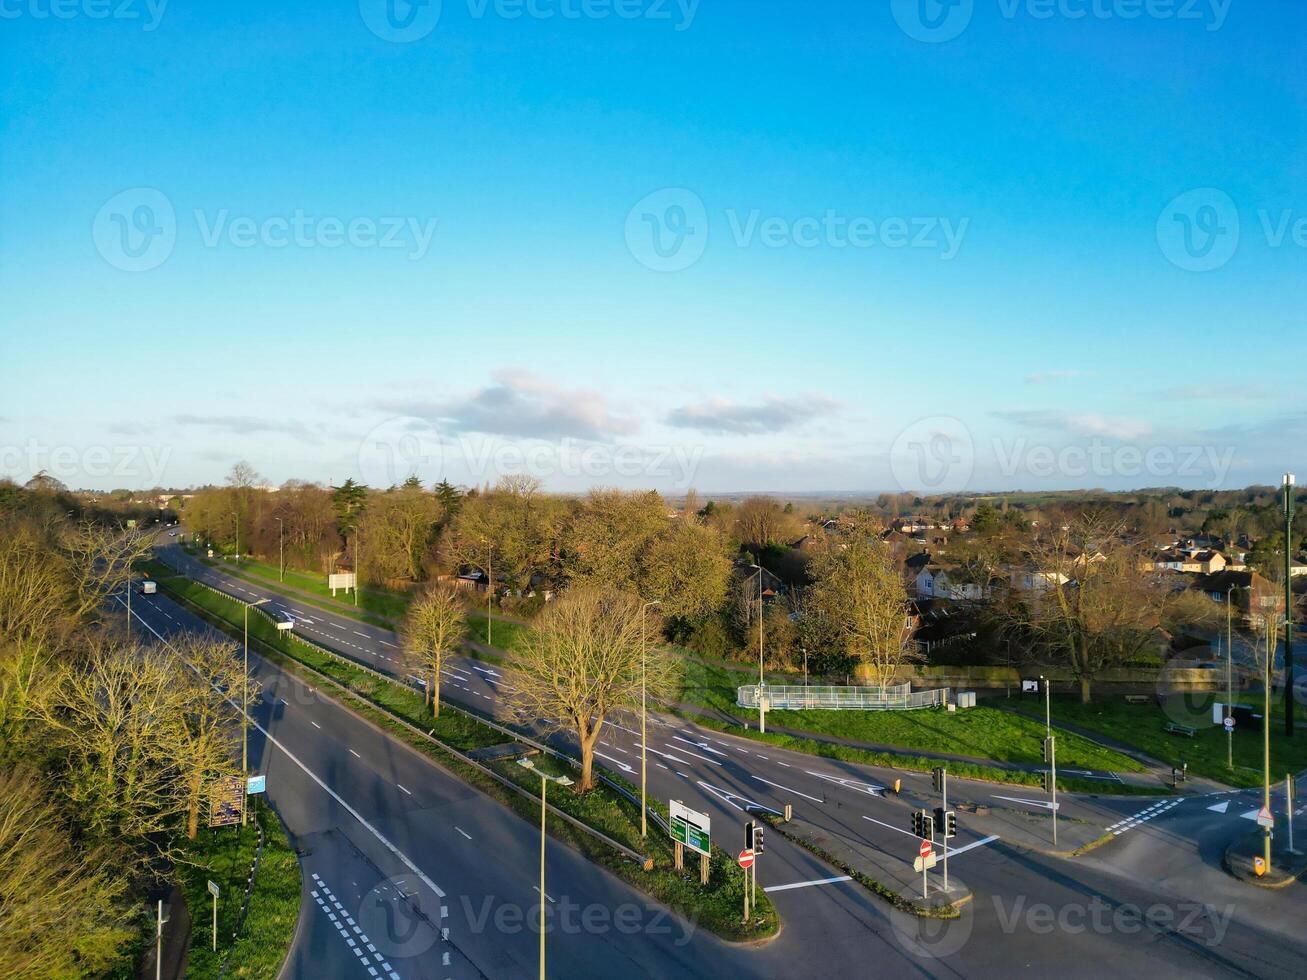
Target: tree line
<point>108,745</point>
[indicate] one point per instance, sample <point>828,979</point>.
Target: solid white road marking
<point>955,851</point>
<point>889,825</point>
<point>805,884</point>
<point>1044,804</point>
<point>787,789</point>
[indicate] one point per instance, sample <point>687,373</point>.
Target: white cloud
<point>773,414</point>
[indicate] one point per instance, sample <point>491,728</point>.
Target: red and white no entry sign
<point>746,858</point>
<point>925,848</point>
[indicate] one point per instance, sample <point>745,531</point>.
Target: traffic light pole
<point>944,846</point>
<point>1052,780</point>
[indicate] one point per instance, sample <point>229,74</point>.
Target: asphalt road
<point>1077,918</point>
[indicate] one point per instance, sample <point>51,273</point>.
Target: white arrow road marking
<point>1220,807</point>
<point>617,762</point>
<point>729,797</point>
<point>701,745</point>
<point>1039,803</point>
<point>1250,815</point>
<point>869,788</point>
<point>703,758</point>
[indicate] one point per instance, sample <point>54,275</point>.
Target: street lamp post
<point>762,683</point>
<point>1229,676</point>
<point>545,779</point>
<point>281,550</point>
<point>490,586</point>
<point>245,704</point>
<point>644,738</point>
<point>1288,604</point>
<point>1272,633</point>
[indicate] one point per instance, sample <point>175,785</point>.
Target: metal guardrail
<point>797,698</point>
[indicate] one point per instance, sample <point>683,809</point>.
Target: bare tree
<point>1096,604</point>
<point>857,586</point>
<point>435,627</point>
<point>582,661</point>
<point>101,560</point>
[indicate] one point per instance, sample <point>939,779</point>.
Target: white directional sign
<point>689,827</point>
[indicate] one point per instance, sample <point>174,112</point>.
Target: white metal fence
<point>898,698</point>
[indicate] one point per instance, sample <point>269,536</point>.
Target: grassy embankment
<point>985,733</point>
<point>1144,726</point>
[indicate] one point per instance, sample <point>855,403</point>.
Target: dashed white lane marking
<point>355,754</point>
<point>401,786</point>
<point>805,884</point>
<point>357,633</point>
<point>787,789</point>
<point>536,888</point>
<point>365,958</point>
<point>462,831</point>
<point>389,644</point>
<point>314,723</point>
<point>1143,816</point>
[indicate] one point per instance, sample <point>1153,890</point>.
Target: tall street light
<point>281,550</point>
<point>644,656</point>
<point>1229,676</point>
<point>545,779</point>
<point>1288,604</point>
<point>762,683</point>
<point>490,588</point>
<point>245,704</point>
<point>1272,634</point>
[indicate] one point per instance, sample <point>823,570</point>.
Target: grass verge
<point>224,855</point>
<point>401,713</point>
<point>981,732</point>
<point>1144,727</point>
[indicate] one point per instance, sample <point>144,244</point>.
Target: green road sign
<point>690,828</point>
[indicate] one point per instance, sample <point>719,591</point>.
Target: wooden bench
<point>1136,699</point>
<point>1173,729</point>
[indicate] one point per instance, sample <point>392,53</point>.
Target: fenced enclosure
<point>899,697</point>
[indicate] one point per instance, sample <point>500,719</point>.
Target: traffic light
<point>937,777</point>
<point>1048,780</point>
<point>939,817</point>
<point>950,824</point>
<point>923,824</point>
<point>758,845</point>
<point>749,830</point>
<point>1048,749</point>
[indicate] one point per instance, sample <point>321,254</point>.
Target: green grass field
<point>1143,726</point>
<point>983,733</point>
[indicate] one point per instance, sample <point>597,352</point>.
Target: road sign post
<point>941,785</point>
<point>1288,808</point>
<point>746,862</point>
<point>1050,756</point>
<point>924,855</point>
<point>213,890</point>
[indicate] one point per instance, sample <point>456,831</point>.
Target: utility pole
<point>644,738</point>
<point>1288,604</point>
<point>358,561</point>
<point>545,780</point>
<point>159,920</point>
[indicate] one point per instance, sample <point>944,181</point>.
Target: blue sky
<point>731,245</point>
